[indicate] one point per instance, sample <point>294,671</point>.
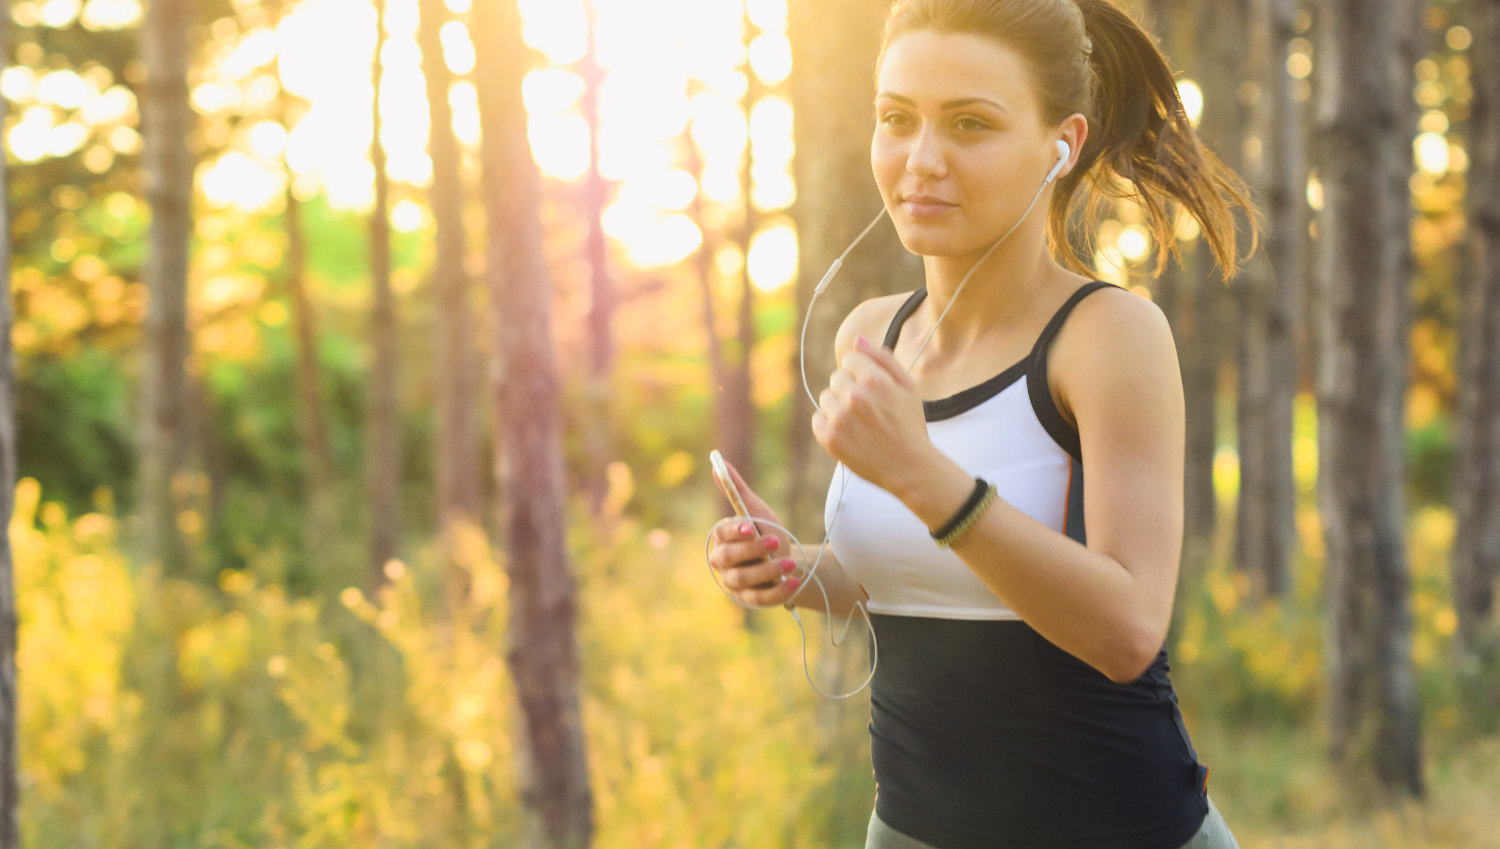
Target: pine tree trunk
<point>166,121</point>
<point>1362,356</point>
<point>1476,546</point>
<point>834,47</point>
<point>1265,533</point>
<point>595,192</point>
<point>458,482</point>
<point>1220,32</point>
<point>383,441</point>
<point>311,417</point>
<point>10,789</point>
<point>543,652</point>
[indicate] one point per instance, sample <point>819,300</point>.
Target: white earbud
<point>1063,152</point>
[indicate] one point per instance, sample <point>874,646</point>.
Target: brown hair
<point>1090,57</point>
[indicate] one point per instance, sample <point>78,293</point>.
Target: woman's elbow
<point>1133,654</point>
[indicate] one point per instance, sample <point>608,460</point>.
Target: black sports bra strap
<point>1040,348</point>
<point>1036,377</point>
<point>893,332</point>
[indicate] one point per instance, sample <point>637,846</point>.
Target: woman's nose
<point>925,158</point>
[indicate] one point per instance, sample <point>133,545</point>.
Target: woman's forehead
<point>933,68</point>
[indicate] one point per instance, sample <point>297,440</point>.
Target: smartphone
<point>726,486</point>
<point>736,501</point>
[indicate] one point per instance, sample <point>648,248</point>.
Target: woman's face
<point>960,147</point>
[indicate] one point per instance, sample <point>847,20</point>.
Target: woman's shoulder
<point>869,319</point>
<point>1112,329</point>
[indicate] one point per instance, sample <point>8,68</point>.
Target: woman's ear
<point>1074,131</point>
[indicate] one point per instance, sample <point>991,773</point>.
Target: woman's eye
<point>971,124</point>
<point>894,119</point>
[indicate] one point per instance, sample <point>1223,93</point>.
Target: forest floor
<point>1277,790</point>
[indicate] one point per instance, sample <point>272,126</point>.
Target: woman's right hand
<point>754,569</point>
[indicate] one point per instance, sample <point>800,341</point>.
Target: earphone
<point>1064,152</point>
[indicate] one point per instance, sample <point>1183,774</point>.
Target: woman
<point>1021,697</point>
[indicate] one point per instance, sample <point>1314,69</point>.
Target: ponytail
<point>1146,149</point>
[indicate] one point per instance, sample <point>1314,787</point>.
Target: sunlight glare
<point>458,48</point>
<point>555,27</point>
<point>408,216</point>
<point>111,14</point>
<point>773,257</point>
<point>771,129</point>
<point>1134,243</point>
<point>63,88</point>
<point>237,180</point>
<point>463,99</point>
<point>651,101</point>
<point>268,139</point>
<point>771,57</point>
<point>59,13</point>
<point>718,127</point>
<point>768,15</point>
<point>560,145</point>
<point>1431,151</point>
<point>1192,100</point>
<point>551,90</point>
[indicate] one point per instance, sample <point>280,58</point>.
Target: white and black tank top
<point>983,734</point>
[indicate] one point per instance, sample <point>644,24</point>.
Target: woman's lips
<point>924,207</point>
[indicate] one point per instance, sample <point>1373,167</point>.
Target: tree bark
<point>1265,533</point>
<point>543,653</point>
<point>736,407</point>
<point>834,48</point>
<point>312,420</point>
<point>10,788</point>
<point>1362,344</point>
<point>166,121</point>
<point>458,482</point>
<point>1476,546</point>
<point>1221,60</point>
<point>597,435</point>
<point>382,441</point>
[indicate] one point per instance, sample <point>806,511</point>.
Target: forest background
<point>367,355</point>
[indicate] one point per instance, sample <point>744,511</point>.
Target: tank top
<point>983,734</point>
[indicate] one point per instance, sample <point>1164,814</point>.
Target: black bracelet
<point>980,488</point>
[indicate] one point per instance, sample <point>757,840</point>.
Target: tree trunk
<point>166,121</point>
<point>1220,30</point>
<point>312,421</point>
<point>10,789</point>
<point>543,653</point>
<point>458,482</point>
<point>1265,533</point>
<point>1476,545</point>
<point>595,191</point>
<point>382,441</point>
<point>1362,345</point>
<point>736,407</point>
<point>834,47</point>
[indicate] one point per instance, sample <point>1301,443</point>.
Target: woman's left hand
<point>871,418</point>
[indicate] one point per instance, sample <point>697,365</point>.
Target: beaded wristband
<point>979,500</point>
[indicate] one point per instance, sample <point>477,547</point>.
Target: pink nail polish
<point>794,583</point>
<point>788,564</point>
<point>772,543</point>
<point>745,528</point>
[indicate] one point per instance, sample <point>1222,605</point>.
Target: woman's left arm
<point>1108,604</point>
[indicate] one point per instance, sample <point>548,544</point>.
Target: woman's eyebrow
<point>947,104</point>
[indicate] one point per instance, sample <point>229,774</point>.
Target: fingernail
<point>861,342</point>
<point>772,543</point>
<point>788,564</point>
<point>745,528</point>
<point>794,582</point>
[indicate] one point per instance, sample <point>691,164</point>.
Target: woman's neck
<point>998,298</point>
